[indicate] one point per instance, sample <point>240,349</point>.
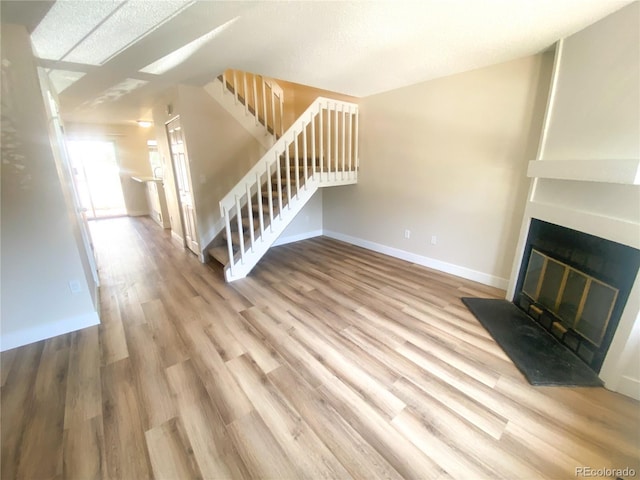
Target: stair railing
<point>319,149</point>
<point>262,97</point>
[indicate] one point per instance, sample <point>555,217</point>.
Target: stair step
<point>235,238</point>
<point>245,221</point>
<point>265,197</point>
<point>256,219</point>
<point>274,192</point>
<point>265,207</point>
<point>220,253</point>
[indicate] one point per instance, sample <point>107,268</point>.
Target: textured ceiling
<point>355,48</point>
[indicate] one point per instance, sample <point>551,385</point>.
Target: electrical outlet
<point>434,240</point>
<point>75,287</point>
<point>407,234</point>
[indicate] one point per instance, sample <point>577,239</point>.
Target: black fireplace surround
<point>607,265</point>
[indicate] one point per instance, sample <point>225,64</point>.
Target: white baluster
<point>335,176</point>
<point>313,143</point>
<point>255,99</point>
<point>329,165</point>
<point>250,216</point>
<point>344,126</point>
<point>264,104</point>
<point>270,196</point>
<point>357,161</point>
<point>321,142</point>
<point>244,93</point>
<point>227,227</point>
<point>235,86</point>
<point>259,183</point>
<point>281,115</point>
<point>304,155</point>
<point>350,137</point>
<point>297,160</point>
<point>240,230</point>
<point>288,167</point>
<point>273,113</point>
<point>279,181</point>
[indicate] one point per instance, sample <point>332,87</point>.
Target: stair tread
<point>220,253</point>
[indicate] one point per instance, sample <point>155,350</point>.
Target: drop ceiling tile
<point>52,42</point>
<point>130,23</point>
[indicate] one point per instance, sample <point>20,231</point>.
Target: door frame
<point>175,182</point>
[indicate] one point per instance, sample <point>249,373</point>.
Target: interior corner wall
<point>446,159</point>
<point>132,154</point>
<point>39,252</point>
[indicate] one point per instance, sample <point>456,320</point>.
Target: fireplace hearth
<point>576,285</point>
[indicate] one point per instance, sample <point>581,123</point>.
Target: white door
<point>183,183</point>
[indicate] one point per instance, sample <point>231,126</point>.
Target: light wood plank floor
<point>329,361</point>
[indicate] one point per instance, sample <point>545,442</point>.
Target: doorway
<point>97,177</point>
<point>182,177</point>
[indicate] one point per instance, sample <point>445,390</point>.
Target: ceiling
<point>111,59</point>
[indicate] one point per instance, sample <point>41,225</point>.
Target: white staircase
<point>319,150</point>
<point>256,102</point>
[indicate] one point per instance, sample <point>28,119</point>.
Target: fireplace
<point>576,285</point>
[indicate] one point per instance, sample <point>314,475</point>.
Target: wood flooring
<point>328,361</point>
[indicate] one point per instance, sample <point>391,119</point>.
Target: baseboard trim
<point>439,265</point>
<point>177,238</point>
<point>629,386</point>
<point>36,333</point>
<point>137,213</point>
<point>296,238</point>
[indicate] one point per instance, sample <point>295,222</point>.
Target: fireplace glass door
<point>580,302</point>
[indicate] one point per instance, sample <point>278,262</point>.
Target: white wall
<point>40,255</point>
<point>79,223</point>
<point>596,109</point>
<point>446,158</point>
<point>307,224</point>
<point>593,117</point>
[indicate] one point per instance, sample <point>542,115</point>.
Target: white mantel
<point>587,173</point>
<point>623,171</point>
